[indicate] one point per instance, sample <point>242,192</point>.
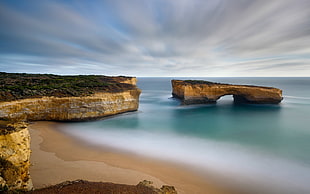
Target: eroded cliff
<point>34,97</point>
<point>16,86</point>
<point>70,108</point>
<point>14,156</point>
<point>200,92</point>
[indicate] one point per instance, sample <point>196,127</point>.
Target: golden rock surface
<point>200,92</point>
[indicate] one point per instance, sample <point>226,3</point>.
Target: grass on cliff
<point>200,82</point>
<point>14,86</point>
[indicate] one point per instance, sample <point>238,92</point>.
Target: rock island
<point>204,92</point>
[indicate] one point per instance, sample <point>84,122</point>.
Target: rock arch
<point>201,92</point>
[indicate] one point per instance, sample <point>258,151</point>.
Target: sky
<point>204,38</point>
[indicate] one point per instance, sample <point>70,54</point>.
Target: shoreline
<point>58,157</point>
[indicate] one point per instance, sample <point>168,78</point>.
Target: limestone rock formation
<point>126,80</point>
<point>200,92</point>
<point>70,108</point>
<point>14,156</point>
<point>32,97</point>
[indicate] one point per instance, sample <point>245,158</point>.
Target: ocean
<point>263,147</point>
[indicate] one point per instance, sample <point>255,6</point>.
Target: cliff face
<point>14,156</point>
<point>33,97</point>
<point>200,92</point>
<point>71,108</point>
<point>126,80</point>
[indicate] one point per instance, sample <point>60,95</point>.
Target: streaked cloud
<point>156,37</point>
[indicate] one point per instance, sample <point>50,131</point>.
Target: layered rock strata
<point>200,92</point>
<point>14,157</point>
<point>70,108</point>
<point>125,80</point>
<point>34,97</point>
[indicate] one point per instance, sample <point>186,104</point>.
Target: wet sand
<point>57,157</point>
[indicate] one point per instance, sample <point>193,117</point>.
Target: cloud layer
<point>156,37</point>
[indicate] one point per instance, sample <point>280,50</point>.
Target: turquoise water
<point>262,145</point>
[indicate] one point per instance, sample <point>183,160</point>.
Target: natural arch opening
<point>225,99</point>
<point>232,98</point>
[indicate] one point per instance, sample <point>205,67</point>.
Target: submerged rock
<point>201,92</point>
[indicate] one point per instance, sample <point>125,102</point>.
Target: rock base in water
<point>203,92</point>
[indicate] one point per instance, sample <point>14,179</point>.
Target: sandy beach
<point>57,157</point>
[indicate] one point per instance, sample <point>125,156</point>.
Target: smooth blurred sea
<point>265,146</point>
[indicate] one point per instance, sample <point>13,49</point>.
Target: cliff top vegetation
<point>193,82</point>
<point>200,82</point>
<point>15,86</point>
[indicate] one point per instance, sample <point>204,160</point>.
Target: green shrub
<point>20,85</point>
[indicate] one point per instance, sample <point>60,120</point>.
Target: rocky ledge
<point>33,97</point>
<point>85,187</point>
<point>201,92</point>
